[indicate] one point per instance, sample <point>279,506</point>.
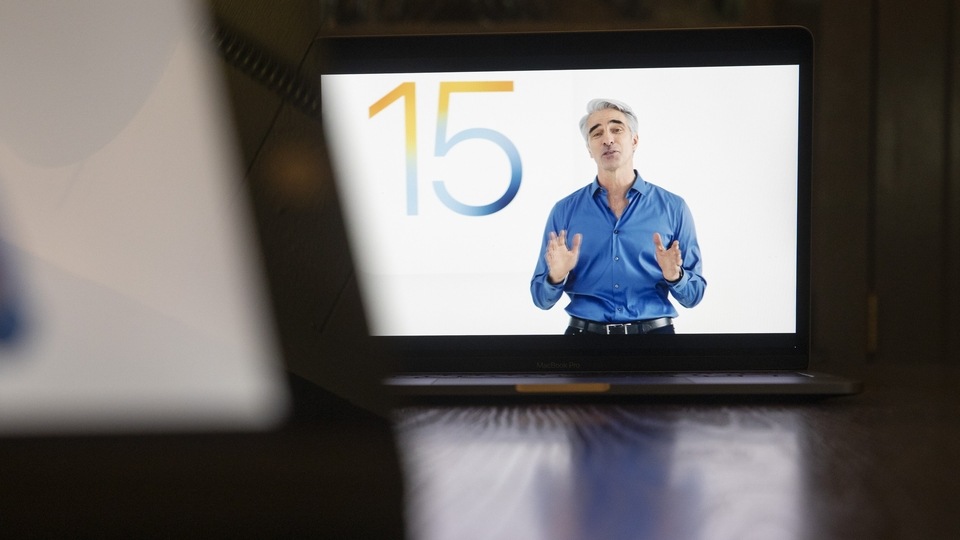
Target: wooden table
<point>882,464</point>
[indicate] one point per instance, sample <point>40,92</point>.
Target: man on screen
<point>619,246</point>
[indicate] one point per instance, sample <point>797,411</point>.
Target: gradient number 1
<point>407,92</point>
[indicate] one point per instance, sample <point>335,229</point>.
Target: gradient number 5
<point>407,91</point>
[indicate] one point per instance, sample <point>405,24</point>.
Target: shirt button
<point>616,285</point>
<point>619,309</point>
<point>616,258</point>
<point>616,231</point>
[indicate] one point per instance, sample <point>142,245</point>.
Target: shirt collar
<point>639,184</point>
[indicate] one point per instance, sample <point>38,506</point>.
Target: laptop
<point>131,291</point>
<point>452,154</point>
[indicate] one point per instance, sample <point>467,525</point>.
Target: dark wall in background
<point>887,183</point>
<point>886,187</point>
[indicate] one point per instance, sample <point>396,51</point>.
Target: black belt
<point>636,327</point>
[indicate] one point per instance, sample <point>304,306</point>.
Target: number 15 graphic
<point>407,91</point>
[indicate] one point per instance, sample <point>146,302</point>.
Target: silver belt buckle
<point>622,327</point>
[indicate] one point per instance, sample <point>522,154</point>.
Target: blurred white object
<point>126,228</point>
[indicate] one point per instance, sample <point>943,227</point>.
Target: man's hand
<point>561,259</point>
<point>670,260</point>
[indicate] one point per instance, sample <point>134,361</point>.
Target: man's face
<point>609,140</point>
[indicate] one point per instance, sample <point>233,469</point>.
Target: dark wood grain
<point>841,169</point>
<point>877,465</point>
<point>912,126</point>
<point>330,472</point>
<point>881,464</point>
<point>952,191</point>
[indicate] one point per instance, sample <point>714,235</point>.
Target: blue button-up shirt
<point>617,278</point>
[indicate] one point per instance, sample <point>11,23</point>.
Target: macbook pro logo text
<point>558,365</point>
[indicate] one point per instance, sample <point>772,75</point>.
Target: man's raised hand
<point>670,260</point>
<point>560,258</point>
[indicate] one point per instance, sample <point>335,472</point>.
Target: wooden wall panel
<point>952,317</point>
<point>910,218</point>
<point>841,168</point>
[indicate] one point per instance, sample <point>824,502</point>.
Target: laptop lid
<point>131,297</point>
<point>450,152</point>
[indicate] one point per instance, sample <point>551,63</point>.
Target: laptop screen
<point>457,157</point>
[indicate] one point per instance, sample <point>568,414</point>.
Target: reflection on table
<point>870,466</point>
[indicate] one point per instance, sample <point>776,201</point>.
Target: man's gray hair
<point>600,104</point>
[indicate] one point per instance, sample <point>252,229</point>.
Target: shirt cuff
<point>679,280</point>
<point>556,286</point>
